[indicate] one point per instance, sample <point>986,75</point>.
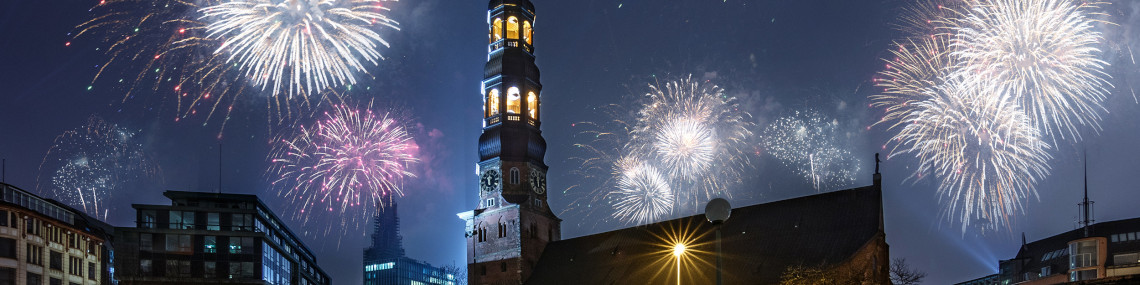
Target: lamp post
<point>678,250</point>
<point>717,212</point>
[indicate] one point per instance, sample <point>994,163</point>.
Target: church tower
<point>512,223</point>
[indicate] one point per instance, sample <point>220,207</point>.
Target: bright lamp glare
<point>678,249</point>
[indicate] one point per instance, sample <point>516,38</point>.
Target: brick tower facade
<point>512,223</point>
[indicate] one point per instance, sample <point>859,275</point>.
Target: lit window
<point>1132,236</point>
<point>513,28</point>
<point>497,30</point>
<point>514,98</point>
<point>532,105</point>
<point>1115,238</point>
<point>527,32</point>
<point>493,103</point>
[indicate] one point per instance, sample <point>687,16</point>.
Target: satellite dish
<point>718,210</point>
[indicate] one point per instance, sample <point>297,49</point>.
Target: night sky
<point>776,57</point>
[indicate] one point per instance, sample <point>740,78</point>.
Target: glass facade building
<point>405,271</point>
<point>213,238</point>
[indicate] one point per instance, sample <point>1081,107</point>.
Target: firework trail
<point>1042,54</point>
<point>815,146</point>
<point>192,51</point>
<point>683,136</point>
<point>643,195</point>
<point>337,171</point>
<point>301,46</point>
<point>87,167</point>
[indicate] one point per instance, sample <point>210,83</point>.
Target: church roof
<point>759,243</point>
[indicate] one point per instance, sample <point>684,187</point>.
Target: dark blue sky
<point>775,56</point>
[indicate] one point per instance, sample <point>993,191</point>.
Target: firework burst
<point>814,146</point>
<point>685,136</point>
<point>337,171</point>
<point>299,47</point>
<point>1043,54</point>
<point>643,195</point>
<point>87,167</point>
<point>201,53</point>
<point>986,154</point>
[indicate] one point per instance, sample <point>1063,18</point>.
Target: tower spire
<point>1086,205</point>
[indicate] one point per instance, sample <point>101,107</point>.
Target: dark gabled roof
<point>759,243</point>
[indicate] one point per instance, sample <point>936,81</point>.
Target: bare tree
<point>460,273</point>
<point>902,274</point>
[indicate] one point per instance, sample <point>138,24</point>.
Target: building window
<point>56,260</point>
<point>503,266</point>
<point>497,30</point>
<point>483,270</point>
<point>514,175</point>
<point>537,203</point>
<point>1126,258</point>
<point>91,270</point>
<point>1083,254</point>
<point>7,275</point>
<point>241,245</point>
<point>493,103</point>
<point>213,223</point>
<point>8,248</point>
<point>178,243</point>
<point>35,254</point>
<point>145,267</point>
<point>242,222</point>
<point>55,281</point>
<point>182,220</point>
<point>148,219</point>
<point>34,279</point>
<point>490,202</point>
<point>177,268</point>
<point>210,244</point>
<point>502,230</point>
<point>74,266</point>
<point>146,242</point>
<point>4,218</point>
<point>1082,275</point>
<point>527,33</point>
<point>211,269</point>
<point>512,28</point>
<point>514,101</point>
<point>532,105</point>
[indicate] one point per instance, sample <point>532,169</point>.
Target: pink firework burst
<point>344,166</point>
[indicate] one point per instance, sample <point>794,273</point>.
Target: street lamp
<point>717,212</point>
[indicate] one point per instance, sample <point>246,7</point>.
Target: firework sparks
<point>643,195</point>
<point>1043,54</point>
<point>688,137</point>
<point>987,154</point>
<point>339,170</point>
<point>301,46</point>
<point>86,167</point>
<point>814,146</point>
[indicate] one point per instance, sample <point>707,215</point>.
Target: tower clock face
<point>489,181</point>
<point>538,181</point>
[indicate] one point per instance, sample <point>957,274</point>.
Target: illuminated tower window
<point>527,33</point>
<point>497,30</point>
<point>513,28</point>
<point>514,101</point>
<point>493,103</point>
<point>532,105</point>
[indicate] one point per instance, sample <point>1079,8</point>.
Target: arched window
<point>532,105</point>
<point>513,28</point>
<point>514,101</point>
<point>493,103</point>
<point>527,33</point>
<point>497,30</point>
<point>515,177</point>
